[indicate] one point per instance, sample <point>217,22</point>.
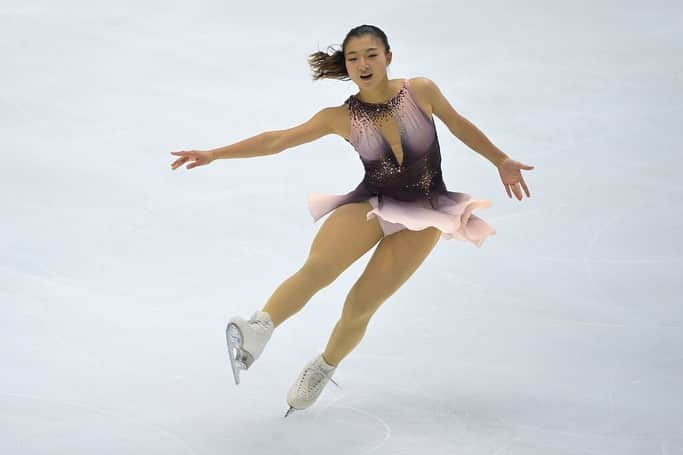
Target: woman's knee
<point>360,306</point>
<point>321,270</point>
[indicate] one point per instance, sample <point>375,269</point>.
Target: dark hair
<point>333,66</point>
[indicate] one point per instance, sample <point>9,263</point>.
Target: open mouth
<point>366,77</point>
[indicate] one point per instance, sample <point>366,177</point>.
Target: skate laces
<point>264,324</point>
<point>314,377</point>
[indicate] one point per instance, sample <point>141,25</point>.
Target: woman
<point>401,205</point>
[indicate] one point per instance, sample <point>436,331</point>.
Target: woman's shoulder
<point>420,85</point>
<point>421,88</point>
<point>419,81</point>
<point>337,117</point>
<point>338,111</point>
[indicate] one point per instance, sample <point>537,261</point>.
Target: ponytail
<point>328,66</point>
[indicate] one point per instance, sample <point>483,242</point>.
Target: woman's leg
<point>395,259</point>
<point>345,236</point>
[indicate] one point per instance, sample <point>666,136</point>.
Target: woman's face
<point>365,55</point>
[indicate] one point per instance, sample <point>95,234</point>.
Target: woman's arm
<point>272,142</point>
<point>461,128</point>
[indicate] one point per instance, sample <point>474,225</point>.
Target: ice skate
<point>246,340</point>
<point>310,384</point>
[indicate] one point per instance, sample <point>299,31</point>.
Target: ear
<point>389,55</point>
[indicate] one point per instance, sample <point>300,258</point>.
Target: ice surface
<point>562,335</point>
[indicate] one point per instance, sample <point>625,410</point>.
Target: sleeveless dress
<point>411,194</point>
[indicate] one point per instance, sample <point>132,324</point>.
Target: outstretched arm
<point>267,143</point>
<point>272,142</point>
<point>461,128</point>
<point>469,134</point>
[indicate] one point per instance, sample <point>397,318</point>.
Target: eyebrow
<point>368,49</point>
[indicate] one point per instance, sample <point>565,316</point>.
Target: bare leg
<point>395,259</point>
<point>344,237</point>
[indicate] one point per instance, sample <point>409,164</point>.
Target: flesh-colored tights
<point>344,237</point>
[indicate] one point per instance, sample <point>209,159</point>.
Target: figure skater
<point>401,205</point>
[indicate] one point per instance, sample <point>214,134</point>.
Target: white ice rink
<point>560,336</point>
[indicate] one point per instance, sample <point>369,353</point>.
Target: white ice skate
<point>310,384</point>
<point>246,340</point>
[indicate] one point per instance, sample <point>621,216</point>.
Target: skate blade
<point>234,338</point>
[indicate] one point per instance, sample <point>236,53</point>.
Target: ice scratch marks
<point>387,427</point>
<point>587,257</point>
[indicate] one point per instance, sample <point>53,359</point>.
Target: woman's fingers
<point>510,170</point>
<point>513,188</point>
<point>179,162</point>
<point>185,156</point>
<point>526,188</point>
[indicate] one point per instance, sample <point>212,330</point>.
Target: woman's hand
<point>200,158</point>
<point>512,177</point>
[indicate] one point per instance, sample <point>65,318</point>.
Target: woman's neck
<point>382,93</point>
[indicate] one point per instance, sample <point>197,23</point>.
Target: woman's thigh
<point>394,260</point>
<point>343,238</point>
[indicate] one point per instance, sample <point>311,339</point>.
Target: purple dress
<point>410,194</point>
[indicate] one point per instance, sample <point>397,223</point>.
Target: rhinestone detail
<point>387,169</point>
<point>365,113</point>
<point>374,115</point>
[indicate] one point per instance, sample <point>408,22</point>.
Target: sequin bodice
<point>418,174</point>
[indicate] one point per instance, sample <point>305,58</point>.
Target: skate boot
<point>310,384</point>
<point>246,340</point>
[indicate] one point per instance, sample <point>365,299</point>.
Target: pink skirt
<point>453,217</point>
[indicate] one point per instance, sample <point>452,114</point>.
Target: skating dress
<point>410,194</point>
